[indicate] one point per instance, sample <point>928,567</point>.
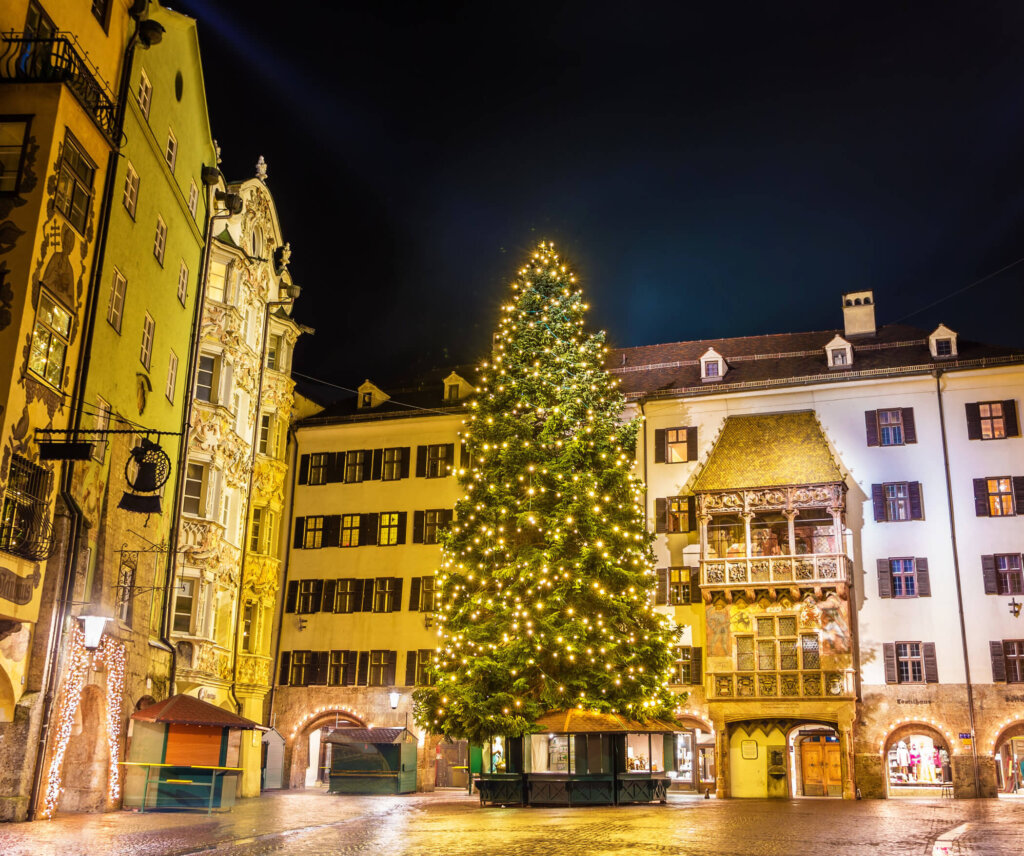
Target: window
<point>248,613</point>
<point>349,530</point>
<point>438,460</point>
<point>182,281</point>
<point>274,352</point>
<point>943,347</point>
<point>367,399</point>
<point>904,577</point>
<point>681,670</point>
<point>115,307</point>
<point>13,146</point>
<point>909,663</point>
<point>145,93</point>
<point>336,668</point>
<point>1013,655</point>
<point>391,528</point>
<point>1008,574</point>
<point>385,594</point>
<point>839,357</point>
<point>74,184</point>
<point>266,434</point>
<point>428,594</point>
<point>193,198</point>
<point>100,8</point>
<point>28,486</point>
<point>897,501</point>
<point>160,240</point>
<point>313,535</point>
<point>131,190</point>
<point>355,465</point>
<point>433,520</point>
<point>318,468</point>
<point>50,340</point>
<point>216,282</point>
<point>206,374</point>
<point>675,445</point>
<point>678,586</point>
<point>890,427</point>
<point>382,668</point>
<point>146,351</point>
<point>1000,496</point>
<point>993,425</point>
<point>256,530</point>
<point>171,149</point>
<point>992,420</point>
<point>395,464</point>
<point>453,392</point>
<point>195,478</point>
<point>125,585</point>
<point>184,600</point>
<point>101,422</point>
<point>310,592</point>
<point>422,676</point>
<point>301,668</point>
<point>674,514</point>
<point>348,596</point>
<point>172,376</point>
<point>711,368</point>
<point>776,646</point>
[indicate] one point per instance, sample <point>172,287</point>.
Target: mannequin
<point>903,758</point>
<point>915,761</point>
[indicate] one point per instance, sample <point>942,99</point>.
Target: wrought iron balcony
<point>813,569</point>
<point>30,59</point>
<point>779,684</point>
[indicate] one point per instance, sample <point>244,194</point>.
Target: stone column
<point>721,760</point>
<point>790,516</point>
<point>846,761</point>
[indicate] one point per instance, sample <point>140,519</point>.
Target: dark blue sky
<point>708,171</point>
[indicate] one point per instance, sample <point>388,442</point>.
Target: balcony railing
<point>810,569</point>
<point>29,59</point>
<point>799,684</point>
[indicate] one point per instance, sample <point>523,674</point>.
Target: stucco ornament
<point>261,169</point>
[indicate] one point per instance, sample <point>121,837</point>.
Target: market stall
<point>372,761</point>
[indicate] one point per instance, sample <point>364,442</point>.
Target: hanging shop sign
<point>18,589</point>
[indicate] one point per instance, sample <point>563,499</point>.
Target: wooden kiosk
<point>184,755</point>
<point>372,761</point>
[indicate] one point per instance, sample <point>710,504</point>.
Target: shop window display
<point>918,761</point>
<point>695,760</point>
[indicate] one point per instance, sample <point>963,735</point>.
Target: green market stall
<point>184,755</point>
<point>372,761</point>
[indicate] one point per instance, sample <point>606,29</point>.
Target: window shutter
<point>909,427</point>
<point>421,462</point>
<point>889,657</point>
<point>332,530</point>
<point>403,524</point>
<point>447,517</point>
<point>367,597</point>
<point>396,601</point>
<point>878,502</point>
<point>350,668</point>
<point>1010,418</point>
<point>973,421</point>
<point>916,507</point>
<point>318,677</point>
<point>463,455</point>
<point>691,514</point>
<point>304,469</point>
<point>661,593</point>
<point>981,497</point>
<point>417,527</point>
<point>335,468</point>
<point>300,532</point>
<point>988,574</point>
<point>695,585</point>
<point>691,444</point>
<point>998,661</point>
<point>449,457</point>
<point>924,580</point>
<point>378,464</point>
<point>696,666</point>
<point>884,578</point>
<point>330,589</point>
<point>931,666</point>
<point>414,594</point>
<point>367,464</point>
<point>389,671</point>
<point>1018,494</point>
<point>871,426</point>
<point>660,515</point>
<point>292,598</point>
<point>410,669</point>
<point>405,462</point>
<point>363,672</point>
<point>318,593</point>
<point>368,525</point>
<point>660,444</point>
<point>286,667</point>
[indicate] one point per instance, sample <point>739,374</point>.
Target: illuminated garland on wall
<point>111,653</point>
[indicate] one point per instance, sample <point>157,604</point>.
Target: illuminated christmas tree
<point>546,573</point>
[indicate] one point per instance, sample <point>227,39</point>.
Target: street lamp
<point>92,627</point>
<point>394,700</point>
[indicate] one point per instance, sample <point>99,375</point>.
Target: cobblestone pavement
<point>310,823</point>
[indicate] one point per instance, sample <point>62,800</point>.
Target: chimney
<point>859,313</point>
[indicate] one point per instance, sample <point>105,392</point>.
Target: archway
<point>695,754</point>
<point>916,760</point>
<point>87,759</point>
<point>6,697</point>
<point>308,751</point>
<point>1009,755</point>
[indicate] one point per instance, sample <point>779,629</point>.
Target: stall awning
<point>584,721</point>
<point>369,735</point>
<point>188,710</point>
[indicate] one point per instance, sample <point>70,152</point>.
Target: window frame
<point>148,338</point>
<point>180,594</point>
<point>838,357</point>
<point>172,375</point>
<point>212,389</point>
<point>389,528</point>
<point>130,196</point>
<point>679,593</point>
<point>191,467</point>
<point>73,186</point>
<point>902,502</point>
<point>392,460</point>
<point>909,659</point>
<point>682,665</point>
<point>1014,661</point>
<point>672,446</point>
<point>318,462</point>
<point>1009,579</point>
<point>900,578</point>
<point>313,533</point>
<point>1000,499</point>
<point>355,465</point>
<point>19,173</point>
<point>992,420</point>
<point>385,594</point>
<point>160,240</point>
<point>171,150</point>
<point>51,333</point>
<point>348,533</point>
<point>377,672</point>
<point>183,273</point>
<point>422,677</point>
<point>891,431</point>
<point>115,305</point>
<point>193,199</point>
<point>144,94</point>
<point>307,600</point>
<point>300,668</point>
<point>437,463</point>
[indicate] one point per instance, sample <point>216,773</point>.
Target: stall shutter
<point>389,671</point>
<point>691,444</point>
<point>909,427</point>
<point>659,445</point>
<point>421,462</point>
<point>286,667</point>
<point>988,574</point>
<point>403,524</point>
<point>871,426</point>
<point>878,502</point>
<point>318,674</point>
<point>916,506</point>
<point>889,656</point>
<point>1018,494</point>
<point>410,669</point>
<point>695,585</point>
<point>661,515</point>
<point>304,469</point>
<point>931,667</point>
<point>884,578</point>
<point>417,527</point>
<point>414,594</point>
<point>332,530</point>
<point>661,594</point>
<point>396,601</point>
<point>924,580</point>
<point>998,661</point>
<point>973,421</point>
<point>330,590</point>
<point>1010,418</point>
<point>292,597</point>
<point>696,665</point>
<point>364,668</point>
<point>300,532</point>
<point>981,497</point>
<point>404,466</point>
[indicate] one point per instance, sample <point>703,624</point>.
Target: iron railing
<point>809,569</point>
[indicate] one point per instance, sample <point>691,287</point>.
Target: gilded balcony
<point>809,570</point>
<point>803,684</point>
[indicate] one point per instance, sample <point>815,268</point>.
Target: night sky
<point>709,172</point>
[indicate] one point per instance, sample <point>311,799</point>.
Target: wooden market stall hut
<point>372,761</point>
<point>581,758</point>
<point>184,755</point>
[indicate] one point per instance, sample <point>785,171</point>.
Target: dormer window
<point>943,347</point>
<point>367,399</point>
<point>839,353</point>
<point>370,396</point>
<point>839,357</point>
<point>711,370</point>
<point>456,388</point>
<point>942,343</point>
<point>712,366</point>
<point>453,392</point>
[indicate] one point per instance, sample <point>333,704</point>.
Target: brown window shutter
<point>304,469</point>
<point>367,464</point>
<point>998,661</point>
<point>696,666</point>
<point>335,467</point>
<point>916,504</point>
<point>988,574</point>
<point>661,515</point>
<point>286,667</point>
<point>351,659</point>
<point>909,428</point>
<point>417,527</point>
<point>318,676</point>
<point>363,669</point>
<point>403,524</point>
<point>389,670</point>
<point>367,597</point>
<point>421,462</point>
<point>300,532</point>
<point>414,594</point>
<point>463,455</point>
<point>871,426</point>
<point>931,666</point>
<point>973,421</point>
<point>410,669</point>
<point>1018,494</point>
<point>1010,418</point>
<point>661,593</point>
<point>695,585</point>
<point>659,445</point>
<point>447,517</point>
<point>332,530</point>
<point>691,514</point>
<point>884,578</point>
<point>878,502</point>
<point>924,580</point>
<point>292,597</point>
<point>396,601</point>
<point>318,593</point>
<point>449,458</point>
<point>330,589</point>
<point>889,658</point>
<point>368,526</point>
<point>377,464</point>
<point>981,497</point>
<point>406,454</point>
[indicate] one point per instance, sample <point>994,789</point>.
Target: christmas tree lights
<point>546,575</point>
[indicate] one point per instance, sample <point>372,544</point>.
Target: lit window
<point>389,528</point>
<point>248,614</point>
<point>676,446</point>
<point>131,190</point>
<point>216,282</point>
<point>1000,496</point>
<point>678,586</point>
<point>349,530</point>
<point>115,306</point>
<point>148,329</point>
<point>74,184</point>
<point>993,425</point>
<point>160,239</point>
<point>28,486</point>
<point>50,340</point>
<point>145,94</point>
<point>682,671</point>
<point>183,603</point>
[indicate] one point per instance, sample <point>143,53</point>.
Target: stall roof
<point>367,735</point>
<point>188,710</point>
<point>585,721</point>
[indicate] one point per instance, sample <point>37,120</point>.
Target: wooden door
<point>813,766</point>
<point>833,770</point>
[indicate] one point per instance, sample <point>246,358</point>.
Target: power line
<point>323,382</point>
<point>960,291</point>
